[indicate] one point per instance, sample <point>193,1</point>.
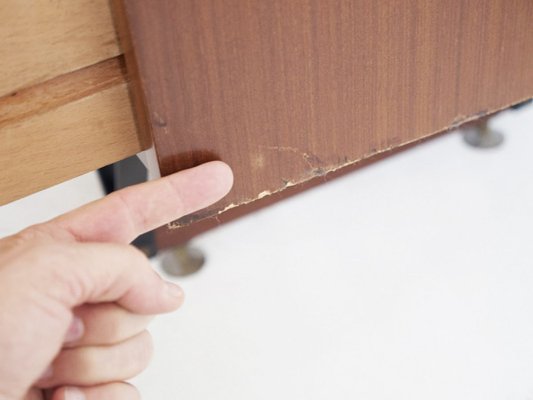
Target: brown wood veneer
<point>287,91</point>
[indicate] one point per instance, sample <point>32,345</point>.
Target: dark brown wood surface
<point>289,90</point>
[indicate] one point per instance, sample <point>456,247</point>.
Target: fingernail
<point>72,393</point>
<point>174,290</point>
<point>75,330</point>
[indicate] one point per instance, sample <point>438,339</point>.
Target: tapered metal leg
<point>482,136</point>
<point>182,260</point>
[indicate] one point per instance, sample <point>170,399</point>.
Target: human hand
<point>75,297</point>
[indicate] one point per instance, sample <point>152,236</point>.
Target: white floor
<point>409,279</point>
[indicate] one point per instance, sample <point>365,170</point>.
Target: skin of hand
<point>76,297</point>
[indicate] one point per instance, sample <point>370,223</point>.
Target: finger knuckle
<point>114,330</point>
<point>143,350</point>
<point>138,216</point>
<point>32,234</point>
<point>66,283</point>
<point>44,232</point>
<point>88,363</point>
<point>135,256</point>
<point>79,366</point>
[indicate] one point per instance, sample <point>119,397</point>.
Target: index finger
<point>123,215</point>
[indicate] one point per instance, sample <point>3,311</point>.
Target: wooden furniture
<point>284,91</point>
<point>64,105</point>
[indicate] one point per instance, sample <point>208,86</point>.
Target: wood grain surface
<point>166,238</point>
<point>287,91</point>
<point>42,39</point>
<point>67,141</point>
<point>64,103</point>
<point>61,90</point>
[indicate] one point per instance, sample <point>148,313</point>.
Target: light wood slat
<point>41,39</point>
<point>66,142</point>
<point>61,90</point>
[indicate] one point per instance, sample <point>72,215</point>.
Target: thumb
<point>40,287</point>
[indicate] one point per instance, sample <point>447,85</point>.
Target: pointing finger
<point>123,215</point>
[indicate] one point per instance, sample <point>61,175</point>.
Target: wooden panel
<point>48,95</point>
<point>72,139</point>
<point>64,105</point>
<point>286,91</point>
<point>41,39</point>
<point>180,235</point>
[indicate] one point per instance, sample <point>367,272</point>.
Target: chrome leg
<point>482,136</point>
<point>181,260</point>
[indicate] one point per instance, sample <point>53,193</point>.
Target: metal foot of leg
<point>182,260</point>
<point>481,136</point>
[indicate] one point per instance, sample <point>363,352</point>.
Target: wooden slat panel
<point>51,94</point>
<point>41,39</point>
<point>64,104</point>
<point>287,91</point>
<point>65,142</point>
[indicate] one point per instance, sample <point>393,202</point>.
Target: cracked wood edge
<point>321,172</point>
